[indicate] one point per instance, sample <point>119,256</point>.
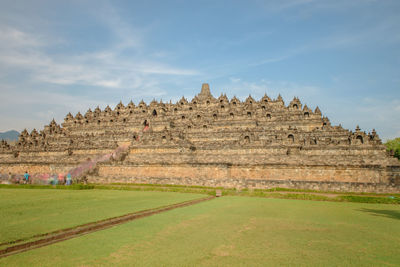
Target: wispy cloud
<point>127,36</point>
<point>14,38</point>
<point>283,57</point>
<point>312,6</point>
<point>104,68</point>
<point>33,109</point>
<point>385,32</point>
<point>123,64</point>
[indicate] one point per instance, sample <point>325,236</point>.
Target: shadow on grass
<point>394,214</point>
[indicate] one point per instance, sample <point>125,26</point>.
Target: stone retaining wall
<point>258,184</point>
<point>348,174</point>
<point>261,177</point>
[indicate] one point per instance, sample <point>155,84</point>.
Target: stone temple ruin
<point>208,142</point>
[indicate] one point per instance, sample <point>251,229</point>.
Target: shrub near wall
<point>393,146</point>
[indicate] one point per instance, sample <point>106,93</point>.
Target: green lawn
<point>28,212</point>
<point>238,231</point>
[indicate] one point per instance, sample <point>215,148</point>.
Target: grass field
<point>27,212</point>
<point>238,231</point>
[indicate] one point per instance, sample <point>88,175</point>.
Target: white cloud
<point>127,36</point>
<point>104,68</point>
<point>286,55</point>
<point>373,30</point>
<point>123,64</point>
<point>13,38</point>
<point>312,6</point>
<point>33,108</point>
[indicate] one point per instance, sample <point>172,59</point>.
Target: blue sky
<point>62,56</point>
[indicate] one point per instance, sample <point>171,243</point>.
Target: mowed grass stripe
<point>238,231</point>
<point>66,234</point>
<point>26,213</point>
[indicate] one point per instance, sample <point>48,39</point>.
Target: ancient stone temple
<point>208,141</point>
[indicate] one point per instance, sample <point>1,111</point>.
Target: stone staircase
<point>89,167</point>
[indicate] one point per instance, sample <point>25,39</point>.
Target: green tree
<point>394,145</point>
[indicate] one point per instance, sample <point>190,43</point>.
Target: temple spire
<point>205,92</point>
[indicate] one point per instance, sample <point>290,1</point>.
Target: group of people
<point>54,180</point>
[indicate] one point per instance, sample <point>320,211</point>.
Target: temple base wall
<point>258,172</point>
<point>323,178</point>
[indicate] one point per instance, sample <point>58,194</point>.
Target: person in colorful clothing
<point>55,179</point>
<point>26,176</point>
<point>51,180</point>
<point>68,179</point>
<point>60,178</point>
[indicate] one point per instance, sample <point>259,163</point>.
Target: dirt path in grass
<point>65,234</point>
